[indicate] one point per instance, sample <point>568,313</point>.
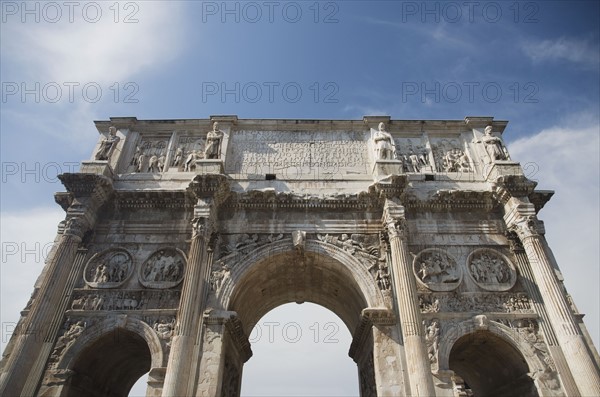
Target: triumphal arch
<point>421,235</point>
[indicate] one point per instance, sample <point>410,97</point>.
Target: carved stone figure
<point>108,145</point>
<point>383,277</point>
<point>218,275</point>
<point>67,339</point>
<point>136,157</point>
<point>161,163</point>
<point>153,164</point>
<point>432,339</point>
<point>385,148</point>
<point>140,163</point>
<point>164,328</point>
<point>212,150</point>
<point>493,145</point>
<point>190,161</point>
<point>178,157</point>
<point>299,241</point>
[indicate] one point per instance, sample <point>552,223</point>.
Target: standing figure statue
<point>385,148</point>
<point>493,145</point>
<point>212,149</point>
<point>108,145</point>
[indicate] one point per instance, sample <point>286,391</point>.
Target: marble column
<point>191,304</point>
<point>405,289</point>
<point>520,218</point>
<point>32,336</point>
<point>24,364</point>
<point>527,277</point>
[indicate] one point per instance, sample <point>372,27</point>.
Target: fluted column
<point>527,277</point>
<point>32,339</point>
<point>520,217</point>
<point>23,367</point>
<point>190,306</point>
<point>418,366</point>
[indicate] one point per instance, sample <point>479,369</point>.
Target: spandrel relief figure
<point>493,145</point>
<point>214,138</point>
<point>108,145</point>
<point>385,148</point>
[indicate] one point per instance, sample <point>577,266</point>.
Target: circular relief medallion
<point>163,269</point>
<point>437,270</point>
<point>491,270</point>
<point>108,269</point>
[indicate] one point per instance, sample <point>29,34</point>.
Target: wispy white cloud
<point>101,52</point>
<point>582,52</point>
<point>566,159</point>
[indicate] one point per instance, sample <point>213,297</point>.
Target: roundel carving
<point>163,269</point>
<point>437,270</point>
<point>491,270</point>
<point>109,268</point>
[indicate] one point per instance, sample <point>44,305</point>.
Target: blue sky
<point>535,64</point>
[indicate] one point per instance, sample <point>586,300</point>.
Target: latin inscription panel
<point>297,154</point>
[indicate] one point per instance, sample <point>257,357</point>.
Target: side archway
<point>108,358</point>
<point>494,360</point>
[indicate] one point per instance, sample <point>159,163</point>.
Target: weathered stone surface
<point>422,236</point>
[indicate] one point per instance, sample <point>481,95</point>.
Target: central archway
<point>300,350</point>
<point>322,274</point>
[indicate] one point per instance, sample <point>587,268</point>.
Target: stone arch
<point>320,261</point>
<point>109,357</point>
<point>493,354</point>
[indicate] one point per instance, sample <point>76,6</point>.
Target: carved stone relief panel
<point>163,269</point>
<point>92,300</point>
<point>450,156</point>
<point>492,303</point>
<point>414,154</point>
<point>437,270</point>
<point>150,155</point>
<point>188,149</point>
<point>491,270</point>
<point>108,269</point>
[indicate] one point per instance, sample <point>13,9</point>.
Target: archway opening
<point>491,367</point>
<point>300,350</point>
<point>110,365</point>
<point>317,276</point>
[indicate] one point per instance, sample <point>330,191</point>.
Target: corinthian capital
<point>527,226</point>
<point>76,226</point>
